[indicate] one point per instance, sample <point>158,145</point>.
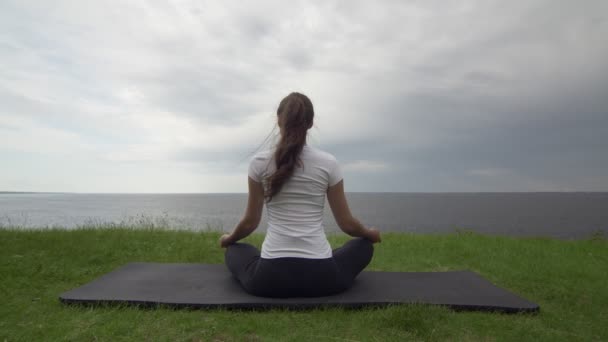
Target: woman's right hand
<point>373,234</point>
<point>225,240</point>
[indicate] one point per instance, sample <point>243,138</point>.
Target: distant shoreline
<point>17,192</point>
<point>28,192</point>
<point>350,192</point>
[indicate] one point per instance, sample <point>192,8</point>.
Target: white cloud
<point>188,82</point>
<point>24,135</point>
<point>365,166</point>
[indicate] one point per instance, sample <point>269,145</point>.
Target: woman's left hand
<point>225,241</point>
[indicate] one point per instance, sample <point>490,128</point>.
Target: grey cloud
<point>227,160</point>
<point>552,140</point>
<point>300,59</point>
<point>469,95</point>
<point>212,96</point>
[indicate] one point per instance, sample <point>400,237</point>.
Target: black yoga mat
<point>212,286</point>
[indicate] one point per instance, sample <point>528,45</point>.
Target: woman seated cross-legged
<point>293,181</point>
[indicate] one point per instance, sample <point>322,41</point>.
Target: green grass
<point>569,279</point>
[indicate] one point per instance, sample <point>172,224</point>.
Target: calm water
<point>562,215</point>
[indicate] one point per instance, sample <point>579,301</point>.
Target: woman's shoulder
<point>262,156</point>
<point>308,152</point>
<point>319,154</point>
<point>259,165</point>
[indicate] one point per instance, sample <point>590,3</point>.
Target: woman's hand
<point>226,240</point>
<point>373,234</point>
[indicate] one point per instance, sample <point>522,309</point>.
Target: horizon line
<point>244,193</point>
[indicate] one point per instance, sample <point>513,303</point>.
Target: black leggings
<point>298,277</point>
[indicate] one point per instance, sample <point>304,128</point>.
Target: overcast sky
<point>175,96</point>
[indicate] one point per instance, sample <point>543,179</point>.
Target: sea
<point>565,215</point>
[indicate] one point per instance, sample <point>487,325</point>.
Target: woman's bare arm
<point>252,217</point>
<point>346,221</point>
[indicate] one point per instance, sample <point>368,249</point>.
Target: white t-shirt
<point>295,214</point>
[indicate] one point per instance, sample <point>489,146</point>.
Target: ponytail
<point>295,116</point>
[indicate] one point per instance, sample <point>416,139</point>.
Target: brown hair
<point>295,116</point>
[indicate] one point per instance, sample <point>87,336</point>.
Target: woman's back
<point>292,181</point>
<point>295,215</point>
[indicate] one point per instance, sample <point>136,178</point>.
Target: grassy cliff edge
<point>566,278</point>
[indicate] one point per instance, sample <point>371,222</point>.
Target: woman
<point>296,259</point>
